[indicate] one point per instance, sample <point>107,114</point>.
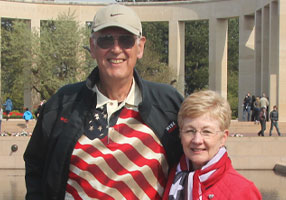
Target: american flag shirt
<point>118,156</point>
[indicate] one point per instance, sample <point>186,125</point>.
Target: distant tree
<point>15,58</point>
<point>46,60</point>
<point>196,60</point>
<point>153,66</point>
<point>58,55</point>
<point>157,38</point>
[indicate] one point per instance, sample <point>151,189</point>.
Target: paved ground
<point>251,129</point>
<point>17,125</point>
<point>244,128</point>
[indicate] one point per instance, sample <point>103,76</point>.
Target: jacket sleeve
<point>34,158</point>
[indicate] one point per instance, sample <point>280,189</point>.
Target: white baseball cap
<point>119,16</point>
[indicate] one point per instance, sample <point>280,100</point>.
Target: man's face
<point>116,62</point>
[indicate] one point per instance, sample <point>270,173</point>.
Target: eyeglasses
<point>124,41</point>
<point>206,133</point>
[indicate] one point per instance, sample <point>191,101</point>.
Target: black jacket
<point>274,115</point>
<point>61,123</point>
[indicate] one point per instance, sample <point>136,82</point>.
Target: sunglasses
<point>124,41</point>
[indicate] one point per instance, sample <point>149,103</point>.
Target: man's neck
<point>118,90</point>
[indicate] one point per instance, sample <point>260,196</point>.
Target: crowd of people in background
<point>252,107</point>
<point>256,109</point>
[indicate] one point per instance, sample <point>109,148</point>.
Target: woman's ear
<point>224,137</point>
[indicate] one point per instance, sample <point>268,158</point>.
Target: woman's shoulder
<point>238,185</point>
<point>235,176</point>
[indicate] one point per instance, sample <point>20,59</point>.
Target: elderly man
<point>114,136</point>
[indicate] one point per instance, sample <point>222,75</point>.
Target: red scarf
<point>202,178</point>
<point>219,167</point>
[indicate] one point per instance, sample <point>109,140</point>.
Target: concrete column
<point>246,59</point>
<point>35,25</point>
<point>258,51</point>
<point>265,51</point>
<point>273,54</point>
<point>218,55</point>
<point>177,52</point>
<point>282,61</point>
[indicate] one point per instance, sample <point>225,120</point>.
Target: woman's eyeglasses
<point>124,41</point>
<point>204,133</point>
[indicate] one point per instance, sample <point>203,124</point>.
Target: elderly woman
<point>205,170</point>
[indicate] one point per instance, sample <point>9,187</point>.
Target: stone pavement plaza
<point>17,125</point>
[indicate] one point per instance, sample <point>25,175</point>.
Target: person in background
<point>265,103</point>
<point>262,120</point>
<point>256,110</point>
<point>113,136</point>
<point>8,107</point>
<point>205,170</point>
<point>247,107</point>
<point>27,116</point>
<point>274,121</point>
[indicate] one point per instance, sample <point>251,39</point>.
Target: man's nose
<point>116,47</point>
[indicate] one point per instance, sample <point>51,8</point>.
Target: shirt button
<point>211,196</point>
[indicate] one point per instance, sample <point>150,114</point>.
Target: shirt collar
<point>133,99</point>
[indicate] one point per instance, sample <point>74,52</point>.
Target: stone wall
<point>245,152</point>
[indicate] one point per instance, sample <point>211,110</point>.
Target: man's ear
<point>141,46</point>
<point>92,47</point>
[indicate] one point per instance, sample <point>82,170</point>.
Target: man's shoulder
<point>70,89</point>
<point>162,90</point>
<point>159,87</point>
<point>65,94</point>
<point>161,95</point>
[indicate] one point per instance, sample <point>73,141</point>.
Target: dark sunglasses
<point>124,41</point>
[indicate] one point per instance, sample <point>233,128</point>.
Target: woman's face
<point>202,138</point>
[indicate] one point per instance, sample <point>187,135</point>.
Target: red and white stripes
<point>130,164</point>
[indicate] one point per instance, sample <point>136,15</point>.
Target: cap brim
<point>125,27</point>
